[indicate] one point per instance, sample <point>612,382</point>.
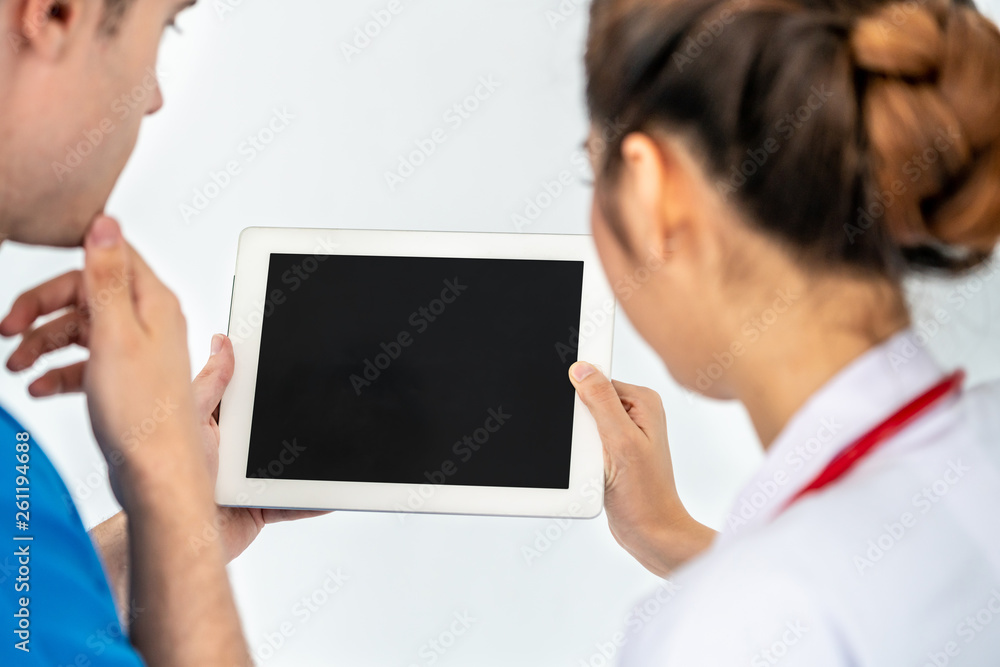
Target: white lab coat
<point>896,564</point>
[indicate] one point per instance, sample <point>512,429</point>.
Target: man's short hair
<point>114,11</point>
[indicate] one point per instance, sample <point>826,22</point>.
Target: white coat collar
<point>856,399</point>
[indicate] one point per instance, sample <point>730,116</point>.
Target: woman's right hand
<point>645,513</point>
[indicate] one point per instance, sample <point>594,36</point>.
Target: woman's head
<point>762,139</point>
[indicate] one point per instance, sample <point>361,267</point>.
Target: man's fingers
<point>70,329</point>
<point>67,380</point>
<point>47,298</point>
<point>107,279</point>
<point>154,300</point>
<point>600,396</point>
<point>210,384</point>
<point>278,516</point>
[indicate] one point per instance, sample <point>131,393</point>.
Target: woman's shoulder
<point>736,605</point>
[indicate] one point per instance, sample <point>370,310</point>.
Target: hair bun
<point>903,39</point>
<point>932,113</point>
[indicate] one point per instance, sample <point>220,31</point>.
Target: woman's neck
<point>833,322</point>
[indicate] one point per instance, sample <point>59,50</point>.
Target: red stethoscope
<point>852,455</point>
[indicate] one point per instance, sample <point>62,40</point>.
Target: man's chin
<point>52,234</point>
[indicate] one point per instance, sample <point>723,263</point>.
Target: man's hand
<point>142,410</point>
<point>645,513</point>
<point>63,295</point>
<point>237,527</point>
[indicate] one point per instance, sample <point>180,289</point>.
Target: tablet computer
<point>414,372</point>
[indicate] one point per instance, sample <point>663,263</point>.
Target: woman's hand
<point>645,513</point>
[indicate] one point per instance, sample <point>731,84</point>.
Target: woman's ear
<point>46,26</point>
<point>666,189</point>
<point>641,189</point>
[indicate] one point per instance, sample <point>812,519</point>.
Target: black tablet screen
<point>417,370</point>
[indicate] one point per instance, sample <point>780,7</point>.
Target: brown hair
<point>860,133</point>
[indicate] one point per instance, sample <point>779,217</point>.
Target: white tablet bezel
<point>585,496</point>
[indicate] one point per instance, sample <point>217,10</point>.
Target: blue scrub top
<point>54,598</point>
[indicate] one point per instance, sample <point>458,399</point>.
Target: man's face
<point>75,96</point>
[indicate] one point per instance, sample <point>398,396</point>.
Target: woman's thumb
<point>601,398</point>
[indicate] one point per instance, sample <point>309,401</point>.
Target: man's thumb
<point>106,275</point>
<point>210,384</point>
<point>600,397</point>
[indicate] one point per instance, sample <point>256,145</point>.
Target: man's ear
<point>46,26</point>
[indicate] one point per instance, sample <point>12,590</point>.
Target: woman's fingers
<point>70,329</point>
<point>603,401</point>
<point>644,407</point>
<point>47,298</point>
<point>66,380</point>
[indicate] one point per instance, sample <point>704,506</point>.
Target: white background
<point>222,81</point>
